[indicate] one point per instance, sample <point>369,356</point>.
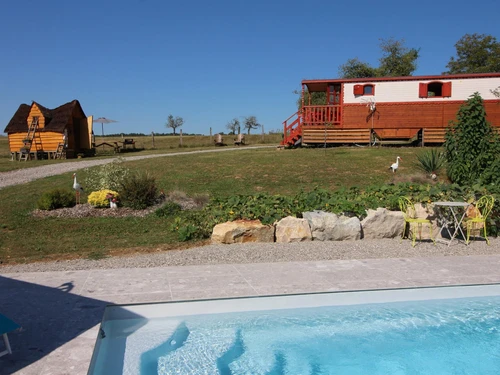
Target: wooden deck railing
<point>321,114</point>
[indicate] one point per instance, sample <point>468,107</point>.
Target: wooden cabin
<point>392,110</point>
<point>35,131</point>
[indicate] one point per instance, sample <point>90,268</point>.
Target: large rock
<point>382,223</point>
<point>292,229</point>
<point>326,226</point>
<point>240,231</point>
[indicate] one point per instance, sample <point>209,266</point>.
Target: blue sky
<point>137,61</point>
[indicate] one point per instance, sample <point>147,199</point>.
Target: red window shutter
<point>446,89</point>
<point>358,89</point>
<point>422,90</point>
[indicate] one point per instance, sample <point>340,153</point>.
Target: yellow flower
<point>411,187</point>
<point>429,201</point>
<point>326,205</point>
<point>231,212</point>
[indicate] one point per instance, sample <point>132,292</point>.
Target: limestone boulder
<point>326,226</point>
<point>240,231</point>
<point>292,229</point>
<point>382,223</point>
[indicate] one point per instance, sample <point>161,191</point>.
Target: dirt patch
<point>87,210</point>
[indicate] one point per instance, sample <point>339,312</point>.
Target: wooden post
<point>423,137</point>
<point>153,135</point>
<point>122,136</point>
<point>210,135</point>
<point>262,133</point>
<point>180,137</point>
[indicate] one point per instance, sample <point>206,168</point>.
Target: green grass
<point>24,238</point>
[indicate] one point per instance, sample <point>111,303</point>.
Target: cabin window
<point>368,89</point>
<point>434,90</point>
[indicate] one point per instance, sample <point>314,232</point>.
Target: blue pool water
<point>434,337</point>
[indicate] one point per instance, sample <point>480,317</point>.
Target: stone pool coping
<point>60,311</point>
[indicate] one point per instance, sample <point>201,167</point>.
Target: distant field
<point>144,146</point>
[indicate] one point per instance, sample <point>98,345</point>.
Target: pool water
<point>448,336</point>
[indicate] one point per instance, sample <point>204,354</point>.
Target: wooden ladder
<point>60,153</point>
<point>30,140</point>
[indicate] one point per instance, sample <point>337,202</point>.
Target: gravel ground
<point>268,253</point>
<point>22,176</point>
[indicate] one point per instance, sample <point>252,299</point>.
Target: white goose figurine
<point>395,165</point>
<point>78,188</point>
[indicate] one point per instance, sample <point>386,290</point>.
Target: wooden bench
<point>128,142</point>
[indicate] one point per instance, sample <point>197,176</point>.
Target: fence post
<point>180,137</point>
<point>153,135</point>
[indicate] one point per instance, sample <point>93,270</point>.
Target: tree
<point>174,123</point>
<point>355,68</point>
<point>251,123</point>
<point>397,60</point>
<point>476,53</point>
<point>233,125</point>
<point>472,147</point>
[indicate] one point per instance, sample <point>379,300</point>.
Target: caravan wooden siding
<point>410,116</point>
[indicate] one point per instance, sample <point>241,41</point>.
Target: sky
<point>137,61</point>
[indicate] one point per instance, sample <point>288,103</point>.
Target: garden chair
<point>6,326</point>
<point>414,223</point>
<point>477,221</point>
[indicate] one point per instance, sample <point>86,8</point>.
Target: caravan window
<point>435,89</point>
<point>368,89</point>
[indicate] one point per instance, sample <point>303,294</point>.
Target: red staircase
<point>292,130</point>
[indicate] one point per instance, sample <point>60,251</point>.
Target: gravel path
<point>269,253</point>
<point>22,176</point>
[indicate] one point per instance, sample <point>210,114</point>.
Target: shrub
<point>168,209</point>
<point>138,191</point>
<point>430,161</point>
<point>108,176</point>
<point>472,146</point>
<point>349,201</point>
<point>101,198</point>
<point>57,198</point>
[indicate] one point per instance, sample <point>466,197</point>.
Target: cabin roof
<point>55,119</point>
<point>320,85</point>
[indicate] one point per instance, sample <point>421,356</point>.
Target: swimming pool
<point>445,330</point>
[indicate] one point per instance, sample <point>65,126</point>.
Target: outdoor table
<point>456,220</point>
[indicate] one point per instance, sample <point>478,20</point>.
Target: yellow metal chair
<point>483,208</point>
<point>408,209</point>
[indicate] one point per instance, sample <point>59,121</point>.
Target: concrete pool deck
<point>60,311</point>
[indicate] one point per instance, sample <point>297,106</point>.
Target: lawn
<point>24,238</point>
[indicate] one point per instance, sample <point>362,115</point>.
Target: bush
<point>138,191</point>
<point>430,161</point>
<point>57,198</point>
<point>350,202</point>
<point>168,209</point>
<point>101,198</point>
<point>472,146</point>
<point>108,176</point>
